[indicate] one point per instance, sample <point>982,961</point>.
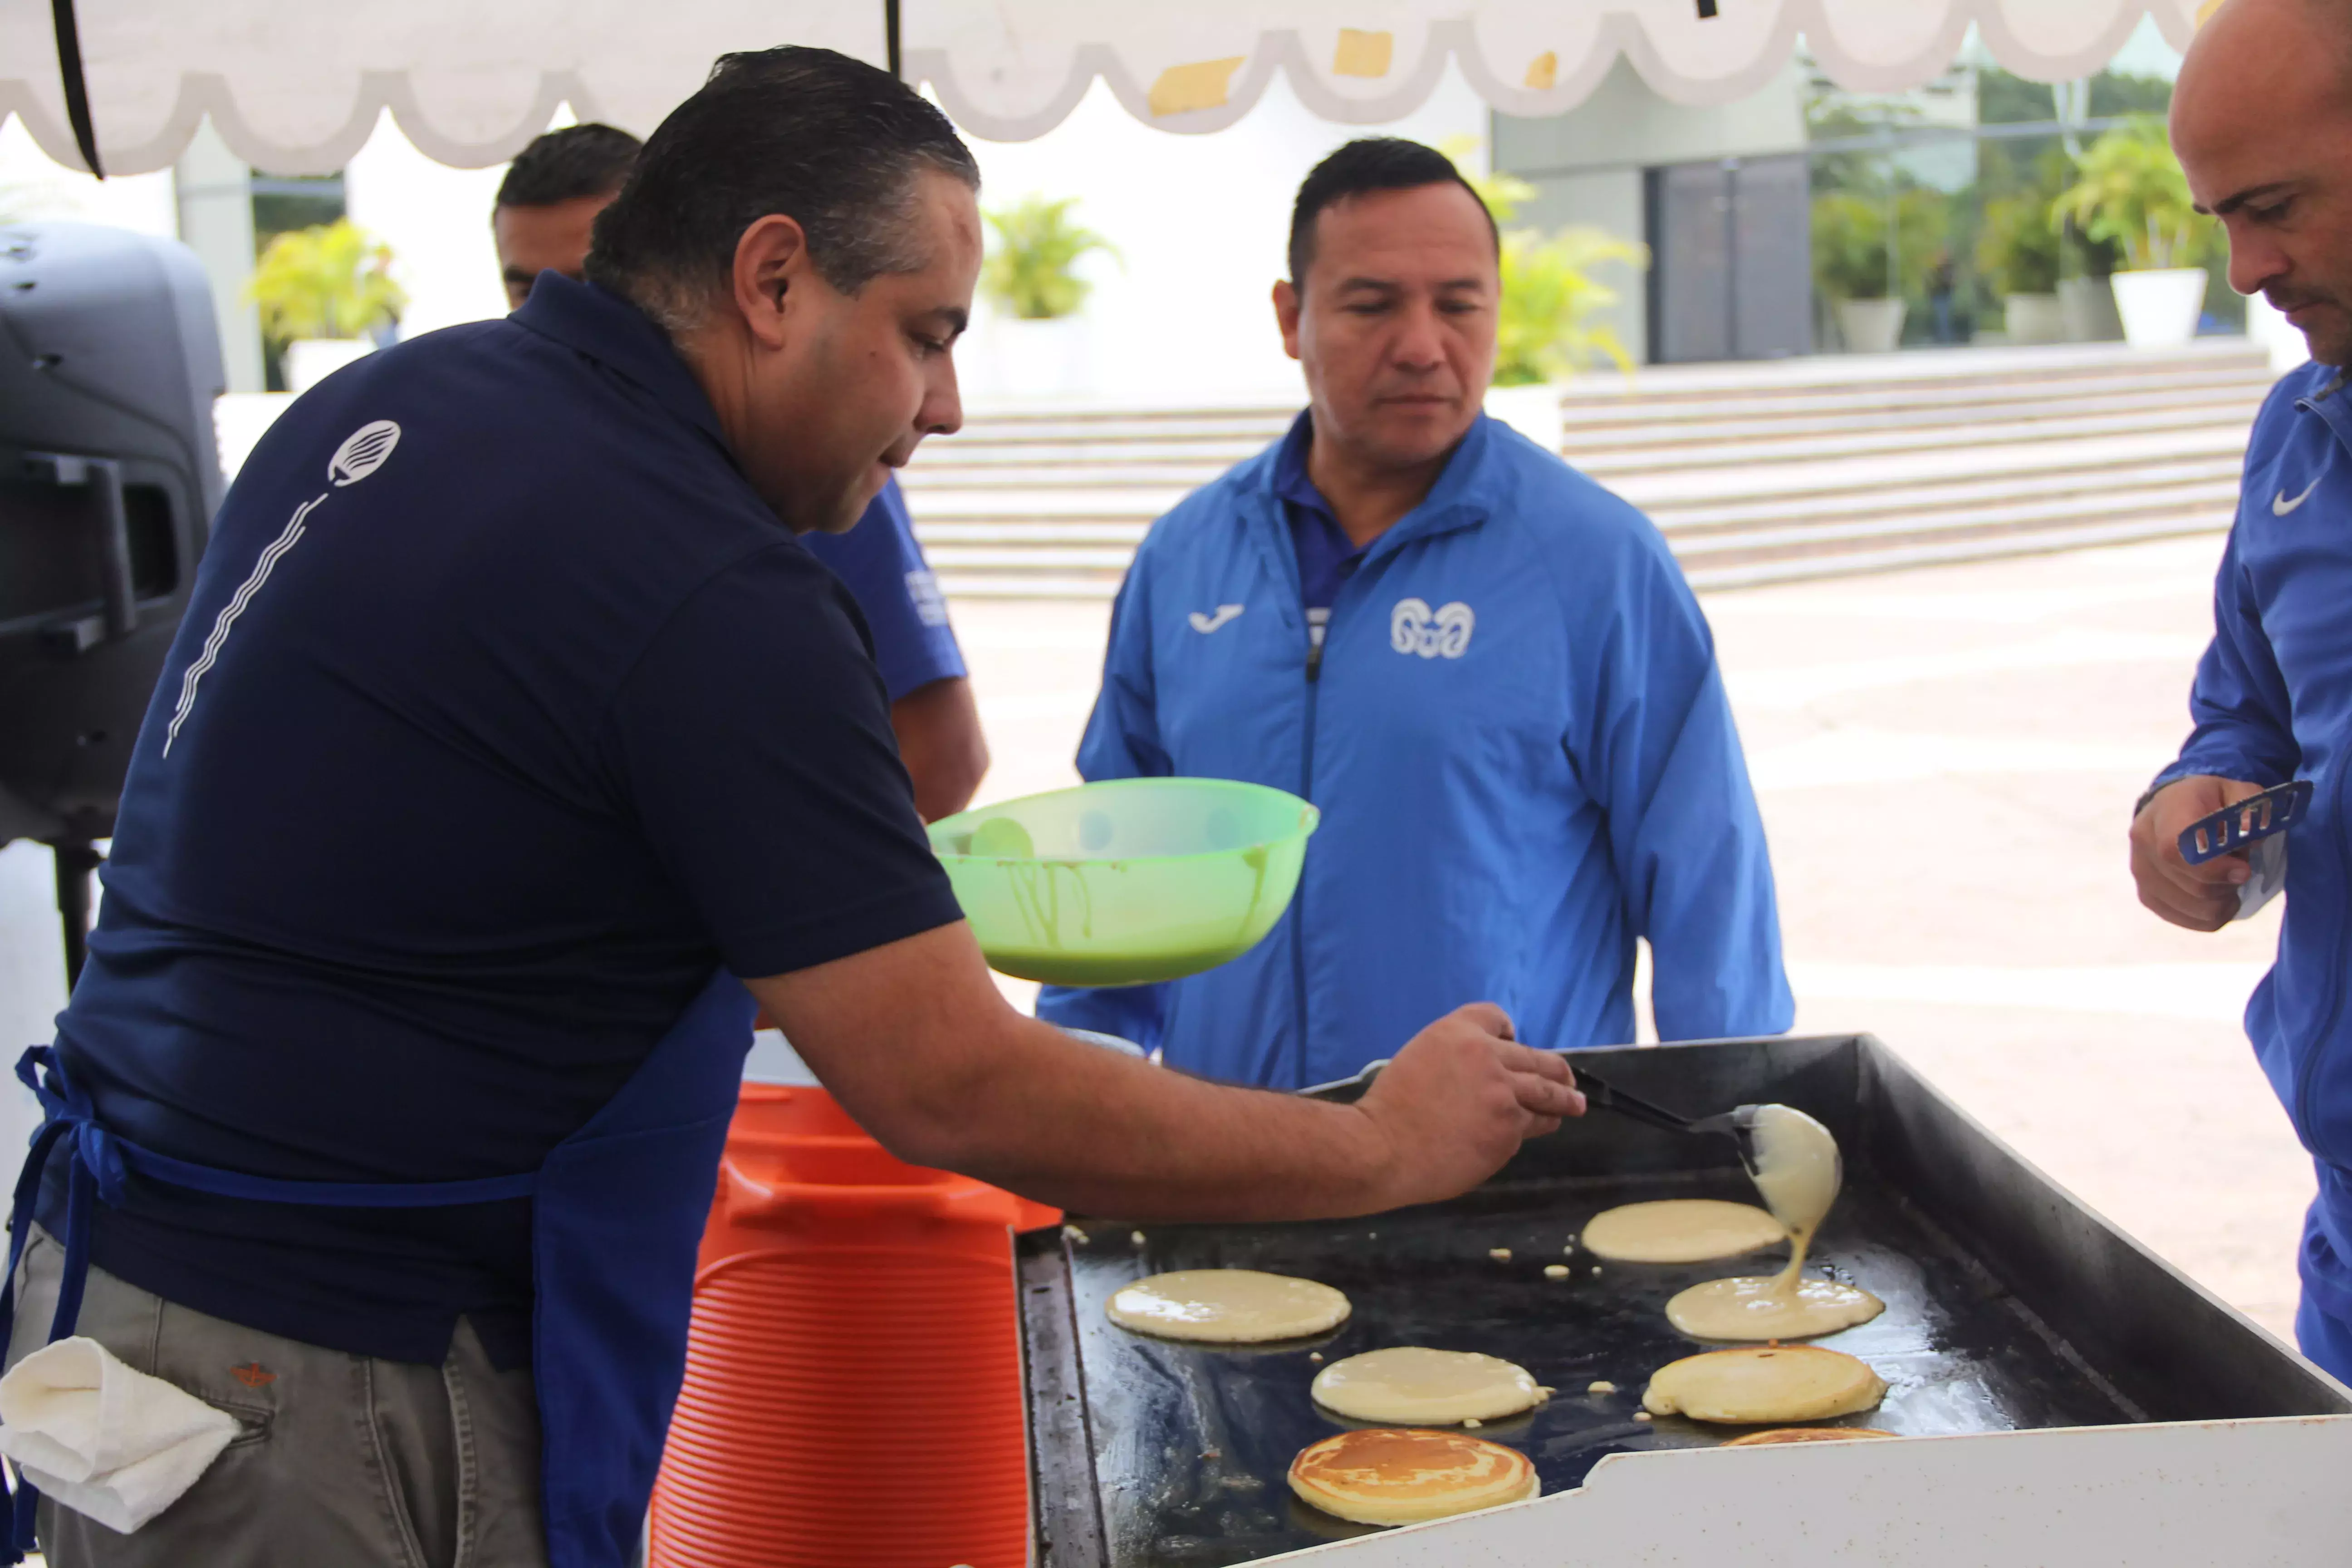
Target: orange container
<point>852,1388</point>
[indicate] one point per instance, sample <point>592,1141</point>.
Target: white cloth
<point>103,1438</point>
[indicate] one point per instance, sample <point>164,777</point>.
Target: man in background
<point>546,211</point>
<point>2262,124</point>
<point>1487,670</point>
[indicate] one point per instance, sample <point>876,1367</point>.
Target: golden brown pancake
<point>1780,1434</point>
<point>1681,1230</point>
<point>1384,1474</point>
<point>1752,1385</point>
<point>1228,1306</point>
<point>1409,1385</point>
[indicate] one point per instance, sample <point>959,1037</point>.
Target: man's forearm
<point>1098,1132</point>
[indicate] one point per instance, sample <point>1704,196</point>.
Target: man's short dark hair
<point>1367,164</point>
<point>564,166</point>
<point>820,137</point>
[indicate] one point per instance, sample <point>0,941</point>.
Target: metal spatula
<point>1736,1124</point>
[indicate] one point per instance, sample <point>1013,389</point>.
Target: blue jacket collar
<point>613,332</point>
<point>1464,495</point>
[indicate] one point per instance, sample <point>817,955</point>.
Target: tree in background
<point>1031,273</point>
<point>330,280</point>
<point>1545,328</point>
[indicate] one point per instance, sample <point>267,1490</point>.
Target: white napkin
<point>102,1437</point>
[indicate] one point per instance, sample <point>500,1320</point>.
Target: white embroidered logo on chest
<point>1443,632</point>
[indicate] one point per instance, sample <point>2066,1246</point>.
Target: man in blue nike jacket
<point>2262,119</point>
<point>1486,670</point>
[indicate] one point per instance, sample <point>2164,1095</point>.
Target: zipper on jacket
<point>2303,1075</point>
<point>1316,640</point>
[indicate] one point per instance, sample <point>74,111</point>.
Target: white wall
<point>437,221</point>
<point>31,186</point>
<point>1201,221</point>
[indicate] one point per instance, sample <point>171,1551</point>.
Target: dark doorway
<point>1731,269</point>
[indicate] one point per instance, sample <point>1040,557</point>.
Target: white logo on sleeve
<point>1204,624</point>
<point>2280,506</point>
<point>930,604</point>
<point>361,453</point>
<point>1442,632</point>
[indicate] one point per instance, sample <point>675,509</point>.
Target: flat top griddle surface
<point>1192,1443</point>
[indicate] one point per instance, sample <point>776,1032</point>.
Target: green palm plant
<point>2018,248</point>
<point>2131,192</point>
<point>1030,272</point>
<point>330,280</point>
<point>1545,330</point>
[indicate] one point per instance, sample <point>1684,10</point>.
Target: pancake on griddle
<point>1414,1386</point>
<point>1228,1306</point>
<point>1780,1434</point>
<point>1383,1475</point>
<point>1681,1230</point>
<point>1756,1385</point>
<point>1773,1307</point>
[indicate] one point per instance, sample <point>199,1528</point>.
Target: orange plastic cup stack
<point>853,1387</point>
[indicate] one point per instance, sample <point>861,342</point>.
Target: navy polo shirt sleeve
<point>885,570</point>
<point>754,742</point>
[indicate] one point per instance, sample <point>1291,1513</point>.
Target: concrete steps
<point>1754,473</point>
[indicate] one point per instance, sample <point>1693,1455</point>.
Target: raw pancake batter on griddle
<point>1797,1169</point>
<point>1412,1384</point>
<point>1681,1230</point>
<point>1228,1306</point>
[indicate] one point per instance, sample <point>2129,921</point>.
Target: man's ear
<point>771,260</point>
<point>1285,314</point>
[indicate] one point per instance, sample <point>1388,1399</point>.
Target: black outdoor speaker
<point>109,475</point>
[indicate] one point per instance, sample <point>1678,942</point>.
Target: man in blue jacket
<point>1486,670</point>
<point>2273,698</point>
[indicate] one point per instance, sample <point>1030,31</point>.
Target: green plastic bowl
<point>1126,882</point>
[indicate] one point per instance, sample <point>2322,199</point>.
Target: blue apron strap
<point>101,1162</point>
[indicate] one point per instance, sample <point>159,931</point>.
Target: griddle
<point>2009,1306</point>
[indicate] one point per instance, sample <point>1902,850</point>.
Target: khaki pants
<point>345,1461</point>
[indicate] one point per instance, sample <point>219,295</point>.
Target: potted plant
<point>1030,278</point>
<point>324,292</point>
<point>2132,193</point>
<point>1852,265</point>
<point>1545,330</point>
<point>2017,250</point>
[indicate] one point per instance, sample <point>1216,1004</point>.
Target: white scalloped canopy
<point>297,85</point>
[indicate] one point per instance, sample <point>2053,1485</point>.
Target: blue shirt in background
<point>504,713</point>
<point>1327,556</point>
<point>885,570</point>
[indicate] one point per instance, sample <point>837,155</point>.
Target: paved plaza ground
<point>1947,759</point>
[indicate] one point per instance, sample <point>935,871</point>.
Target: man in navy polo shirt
<point>511,737</point>
<point>546,206</point>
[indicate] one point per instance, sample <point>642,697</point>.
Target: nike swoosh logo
<point>2280,505</point>
<point>1204,624</point>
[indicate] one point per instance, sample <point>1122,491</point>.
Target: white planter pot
<point>309,361</point>
<point>2159,308</point>
<point>1870,326</point>
<point>1041,358</point>
<point>2033,319</point>
<point>2089,307</point>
